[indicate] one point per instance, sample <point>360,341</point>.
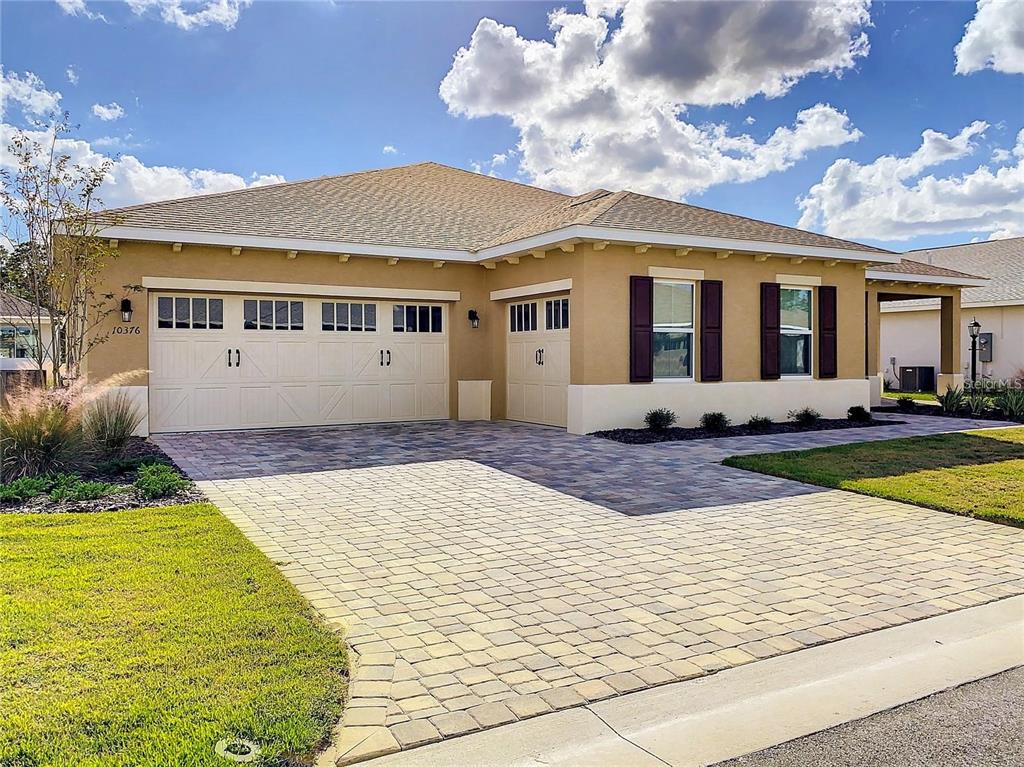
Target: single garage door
<point>537,360</point>
<point>246,362</point>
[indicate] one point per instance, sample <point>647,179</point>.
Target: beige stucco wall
<point>912,337</point>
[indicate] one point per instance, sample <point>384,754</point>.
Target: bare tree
<point>55,256</point>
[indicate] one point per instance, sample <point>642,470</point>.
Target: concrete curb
<point>748,708</point>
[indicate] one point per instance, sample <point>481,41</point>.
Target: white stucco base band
<point>609,406</point>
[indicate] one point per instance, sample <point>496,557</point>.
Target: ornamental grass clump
<point>1010,402</point>
<point>109,423</point>
<point>952,400</point>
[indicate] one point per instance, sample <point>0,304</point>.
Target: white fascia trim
<point>285,243</point>
<point>925,279</point>
<point>963,305</point>
<point>555,286</point>
<point>11,319</point>
<point>669,240</point>
<point>296,289</point>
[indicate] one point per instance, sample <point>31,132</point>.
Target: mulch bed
<point>675,434</point>
<point>126,497</point>
<point>921,408</point>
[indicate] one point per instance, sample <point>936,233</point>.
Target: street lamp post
<point>975,330</point>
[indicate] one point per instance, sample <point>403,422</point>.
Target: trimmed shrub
<point>75,489</point>
<point>714,422</point>
<point>858,414</point>
<point>905,404</point>
<point>117,466</point>
<point>759,423</point>
<point>952,400</point>
<point>660,419</point>
<point>805,417</point>
<point>157,480</point>
<point>109,423</point>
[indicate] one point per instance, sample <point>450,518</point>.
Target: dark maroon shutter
<point>711,330</point>
<point>641,329</point>
<point>828,365</point>
<point>770,330</point>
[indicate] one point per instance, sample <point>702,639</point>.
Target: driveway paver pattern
<point>473,597</point>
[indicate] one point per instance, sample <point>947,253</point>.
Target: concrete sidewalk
<point>742,710</point>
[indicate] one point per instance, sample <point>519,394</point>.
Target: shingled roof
<point>428,205</point>
<point>18,308</point>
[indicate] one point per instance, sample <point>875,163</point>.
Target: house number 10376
<point>127,330</point>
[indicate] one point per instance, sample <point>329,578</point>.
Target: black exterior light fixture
<point>974,329</point>
<point>474,319</point>
<point>126,310</point>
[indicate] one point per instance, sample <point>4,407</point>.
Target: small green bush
<point>23,488</point>
<point>759,423</point>
<point>977,401</point>
<point>109,423</point>
<point>81,491</point>
<point>805,417</point>
<point>858,414</point>
<point>117,466</point>
<point>714,422</point>
<point>906,404</point>
<point>158,480</point>
<point>952,400</point>
<point>1011,402</point>
<point>660,419</point>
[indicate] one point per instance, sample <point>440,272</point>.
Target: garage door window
<point>348,317</point>
<point>266,314</point>
<point>416,319</point>
<point>190,313</point>
<point>522,317</point>
<point>556,314</point>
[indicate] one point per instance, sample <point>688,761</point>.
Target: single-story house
<point>23,328</point>
<point>998,306</point>
<point>428,292</point>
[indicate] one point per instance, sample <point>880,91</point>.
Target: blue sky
<point>296,90</point>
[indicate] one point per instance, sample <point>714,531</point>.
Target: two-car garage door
<point>241,362</point>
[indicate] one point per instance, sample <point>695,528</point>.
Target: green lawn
<point>978,473</point>
<point>920,396</point>
<point>143,637</point>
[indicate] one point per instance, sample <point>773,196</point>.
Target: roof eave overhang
<point>671,240</point>
<point>890,308</point>
<point>924,279</point>
<point>544,240</point>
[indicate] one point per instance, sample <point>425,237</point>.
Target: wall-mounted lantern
<point>474,319</point>
<point>126,310</point>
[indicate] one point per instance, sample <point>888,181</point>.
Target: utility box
<point>984,347</point>
<point>920,378</point>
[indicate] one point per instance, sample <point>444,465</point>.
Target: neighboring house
<point>427,292</point>
<point>998,306</point>
<point>19,339</point>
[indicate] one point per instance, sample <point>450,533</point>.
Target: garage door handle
<point>382,358</point>
<point>238,358</point>
<point>389,358</point>
<point>540,356</point>
<point>229,358</point>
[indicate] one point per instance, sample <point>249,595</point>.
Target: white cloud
<point>221,12</point>
<point>890,199</point>
<point>388,149</point>
<point>71,74</point>
<point>108,112</point>
<point>750,120</point>
<point>499,159</point>
<point>29,92</point>
<point>605,108</point>
<point>993,39</point>
<point>78,8</point>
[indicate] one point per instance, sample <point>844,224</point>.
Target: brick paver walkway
<point>474,597</point>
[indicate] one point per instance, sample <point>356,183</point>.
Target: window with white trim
<point>190,313</point>
<point>346,316</point>
<point>796,341</point>
<point>272,314</point>
<point>407,318</point>
<point>673,329</point>
<point>556,314</point>
<point>522,318</point>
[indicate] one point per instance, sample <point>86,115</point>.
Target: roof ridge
<point>492,178</point>
<point>279,185</point>
<point>757,220</point>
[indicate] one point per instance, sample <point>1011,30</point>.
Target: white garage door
<point>537,360</point>
<point>245,362</point>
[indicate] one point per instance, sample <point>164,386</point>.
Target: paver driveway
<point>474,595</point>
